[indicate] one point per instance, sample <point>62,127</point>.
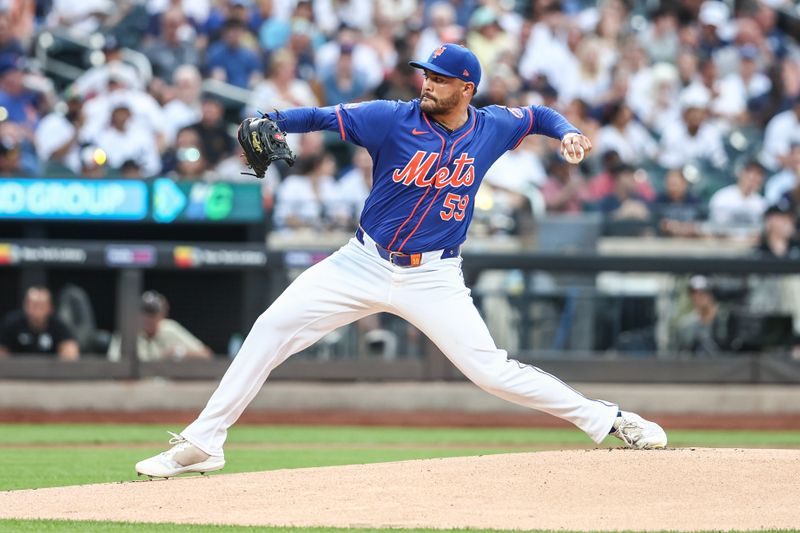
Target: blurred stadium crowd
<point>693,106</point>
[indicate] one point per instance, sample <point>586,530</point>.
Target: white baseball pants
<point>355,282</point>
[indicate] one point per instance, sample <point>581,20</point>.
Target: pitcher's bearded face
<point>440,94</point>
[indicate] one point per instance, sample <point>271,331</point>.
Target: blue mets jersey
<point>424,177</point>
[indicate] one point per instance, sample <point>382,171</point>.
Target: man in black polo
<point>36,330</point>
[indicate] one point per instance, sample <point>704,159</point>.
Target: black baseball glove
<point>263,142</point>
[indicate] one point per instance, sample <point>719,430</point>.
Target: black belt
<point>405,260</point>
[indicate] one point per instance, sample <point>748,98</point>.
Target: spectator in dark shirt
<point>10,158</point>
<point>36,330</point>
<point>624,203</point>
<point>9,45</point>
<point>229,61</point>
<point>20,103</point>
<point>778,239</point>
<point>174,47</point>
<point>217,143</point>
<point>564,191</point>
<point>704,331</point>
<point>677,209</point>
<point>344,83</point>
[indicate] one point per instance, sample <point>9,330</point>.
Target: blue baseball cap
<point>453,61</point>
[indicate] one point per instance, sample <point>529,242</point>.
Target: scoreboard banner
<point>159,201</point>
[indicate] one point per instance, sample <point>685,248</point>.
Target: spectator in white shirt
<point>79,19</point>
<point>748,81</point>
<point>95,80</point>
<point>186,107</point>
<point>693,139</point>
<point>331,14</point>
<point>546,55</point>
<point>594,78</point>
<point>657,104</point>
<point>626,136</point>
<point>121,140</point>
<point>487,39</point>
<point>787,179</point>
<point>442,19</point>
<point>146,111</point>
<point>355,185</point>
<point>779,133</point>
<point>660,38</point>
<point>728,102</point>
<point>308,199</point>
<point>58,137</point>
<point>281,89</point>
<point>740,204</point>
<point>365,59</point>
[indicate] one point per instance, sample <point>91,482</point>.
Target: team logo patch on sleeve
<point>352,106</point>
<point>517,112</point>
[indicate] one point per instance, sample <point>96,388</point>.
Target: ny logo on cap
<point>439,51</point>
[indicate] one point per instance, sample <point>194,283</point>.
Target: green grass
<point>33,456</point>
<point>36,456</point>
<point>131,434</point>
<point>36,468</point>
<point>334,435</point>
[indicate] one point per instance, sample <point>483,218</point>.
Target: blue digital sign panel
<point>73,199</point>
<point>162,200</point>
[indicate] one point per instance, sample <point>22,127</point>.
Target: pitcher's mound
<point>684,489</point>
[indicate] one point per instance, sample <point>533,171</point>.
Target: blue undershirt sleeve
<point>366,124</point>
<point>305,119</point>
<point>551,123</point>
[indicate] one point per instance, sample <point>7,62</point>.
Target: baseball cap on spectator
<point>118,74</point>
<point>749,52</point>
<point>71,93</point>
<point>153,303</point>
<point>8,144</point>
<point>111,44</point>
<point>621,168</point>
<point>699,283</point>
<point>120,104</point>
<point>233,24</point>
<point>695,97</point>
<point>483,16</point>
<point>9,63</point>
<point>754,164</point>
<point>453,61</point>
<point>781,207</point>
<point>713,13</point>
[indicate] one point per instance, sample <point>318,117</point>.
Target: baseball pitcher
<point>429,157</point>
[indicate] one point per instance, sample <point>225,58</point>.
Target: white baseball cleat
<point>183,458</point>
<point>636,432</point>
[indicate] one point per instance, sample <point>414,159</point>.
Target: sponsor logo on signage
<point>125,255</point>
<point>193,257</point>
<point>11,254</point>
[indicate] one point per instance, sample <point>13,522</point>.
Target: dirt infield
<point>601,490</point>
<point>394,418</point>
